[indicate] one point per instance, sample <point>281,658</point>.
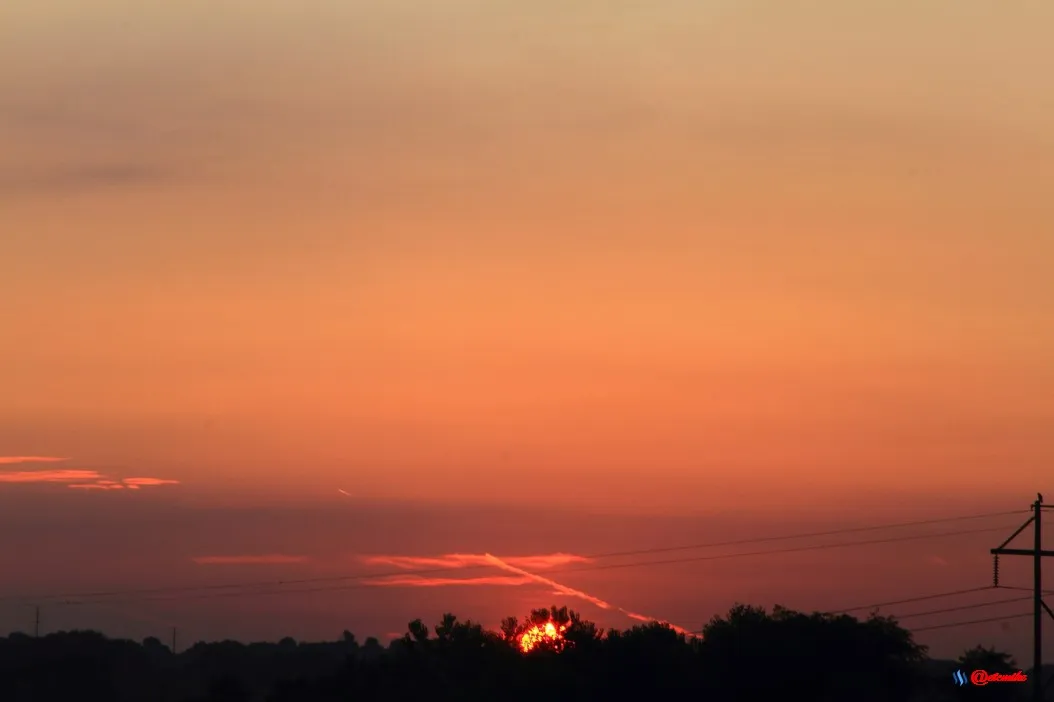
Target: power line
<point>832,532</point>
<point>974,621</point>
<point>772,552</point>
<point>960,608</point>
<point>946,610</point>
<point>909,600</point>
<point>447,569</point>
<point>232,591</point>
<point>1023,589</point>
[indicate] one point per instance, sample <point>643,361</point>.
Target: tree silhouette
<point>753,653</point>
<point>747,655</point>
<point>417,631</point>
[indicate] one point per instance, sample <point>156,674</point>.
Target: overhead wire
<point>646,563</point>
<point>960,608</point>
<point>1025,589</point>
<point>814,534</point>
<point>772,552</point>
<point>909,600</point>
<point>971,622</point>
<point>375,580</point>
<point>939,595</point>
<point>598,556</point>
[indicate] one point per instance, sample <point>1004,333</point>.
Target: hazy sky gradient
<point>653,257</point>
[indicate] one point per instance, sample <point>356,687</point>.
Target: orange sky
<point>657,256</point>
<point>450,248</point>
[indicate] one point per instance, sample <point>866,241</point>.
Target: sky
<point>616,261</point>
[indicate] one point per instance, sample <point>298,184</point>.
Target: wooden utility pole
<point>1037,597</point>
<point>173,640</point>
<point>1038,605</point>
<point>36,623</point>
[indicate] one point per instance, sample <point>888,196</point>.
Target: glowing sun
<point>537,635</point>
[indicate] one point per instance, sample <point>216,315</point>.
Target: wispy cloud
<point>47,476</point>
<point>504,564</point>
<point>139,482</point>
<point>89,176</point>
<point>75,478</point>
<point>517,565</point>
<point>417,581</point>
<point>261,559</point>
<point>562,589</point>
<point>552,560</point>
<point>469,560</point>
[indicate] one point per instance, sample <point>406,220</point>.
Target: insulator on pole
<point>995,570</point>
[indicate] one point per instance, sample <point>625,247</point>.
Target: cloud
<point>262,559</point>
<point>137,482</point>
<point>471,560</point>
<point>504,564</point>
<point>414,562</point>
<point>417,581</point>
<point>48,476</point>
<point>571,592</point>
<point>518,566</point>
<point>76,478</point>
<point>552,560</point>
<point>80,178</point>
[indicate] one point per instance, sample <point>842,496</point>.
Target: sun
<point>538,635</point>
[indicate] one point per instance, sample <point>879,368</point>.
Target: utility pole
<point>1037,596</point>
<point>36,623</point>
<point>1038,605</point>
<point>173,640</point>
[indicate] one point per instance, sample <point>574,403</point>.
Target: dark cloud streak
<point>87,177</point>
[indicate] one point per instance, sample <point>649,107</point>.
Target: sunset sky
<point>602,265</point>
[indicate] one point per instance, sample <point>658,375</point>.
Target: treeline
<point>747,655</point>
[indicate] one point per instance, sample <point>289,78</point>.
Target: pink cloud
<point>125,484</point>
<point>520,567</point>
<point>415,562</point>
<point>262,559</point>
<point>48,476</point>
<point>416,581</point>
<point>570,591</point>
<point>552,560</point>
<point>77,478</point>
<point>469,560</point>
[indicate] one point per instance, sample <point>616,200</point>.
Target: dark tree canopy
<point>749,654</point>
